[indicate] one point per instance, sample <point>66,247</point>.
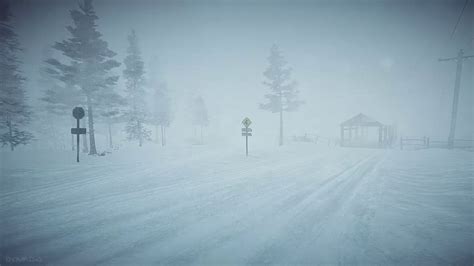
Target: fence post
<point>428,142</point>
<point>401,143</point>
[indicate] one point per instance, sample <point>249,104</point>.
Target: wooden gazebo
<point>363,131</point>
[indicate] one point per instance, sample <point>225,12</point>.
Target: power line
<point>459,18</point>
<point>443,90</point>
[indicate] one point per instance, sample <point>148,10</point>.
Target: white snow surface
<point>299,204</point>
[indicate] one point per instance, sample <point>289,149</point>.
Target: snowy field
<point>292,205</point>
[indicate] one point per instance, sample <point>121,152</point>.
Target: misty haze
<point>226,132</point>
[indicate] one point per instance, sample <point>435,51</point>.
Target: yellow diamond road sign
<point>246,122</point>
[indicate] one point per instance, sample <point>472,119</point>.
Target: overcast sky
<point>375,57</point>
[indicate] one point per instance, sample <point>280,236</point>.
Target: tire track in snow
<point>147,241</point>
<point>88,227</point>
<point>206,239</point>
<point>304,224</point>
<point>60,242</point>
<point>230,232</point>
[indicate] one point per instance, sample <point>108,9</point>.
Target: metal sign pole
<point>77,137</point>
<point>78,113</point>
<point>247,142</point>
<point>246,132</point>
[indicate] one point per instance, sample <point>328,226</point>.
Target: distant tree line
<point>87,79</point>
<point>83,75</point>
<point>14,112</point>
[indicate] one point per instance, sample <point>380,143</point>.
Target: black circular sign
<point>78,112</point>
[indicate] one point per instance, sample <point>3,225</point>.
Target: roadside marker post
<point>78,113</point>
<point>247,132</point>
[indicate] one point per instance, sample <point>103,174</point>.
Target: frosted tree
<point>134,75</point>
<point>113,112</point>
<point>162,115</point>
<point>55,106</point>
<point>14,112</point>
<point>200,117</point>
<point>89,63</point>
<point>283,93</point>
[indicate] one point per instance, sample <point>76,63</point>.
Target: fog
<point>222,132</point>
<point>379,58</point>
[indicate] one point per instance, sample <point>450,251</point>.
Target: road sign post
<point>78,113</point>
<point>247,132</point>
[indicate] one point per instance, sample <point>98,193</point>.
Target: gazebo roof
<point>361,120</point>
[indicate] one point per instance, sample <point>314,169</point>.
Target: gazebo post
<point>380,135</point>
<point>342,135</point>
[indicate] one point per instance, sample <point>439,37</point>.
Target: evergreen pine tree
<point>90,63</point>
<point>200,117</point>
<point>14,112</point>
<point>113,112</point>
<point>283,96</point>
<point>55,105</point>
<point>134,75</point>
<point>162,111</point>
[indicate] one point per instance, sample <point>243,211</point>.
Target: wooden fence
<point>426,143</point>
<point>314,139</point>
<point>464,144</point>
<point>414,142</point>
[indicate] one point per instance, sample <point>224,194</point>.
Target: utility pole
<point>457,84</point>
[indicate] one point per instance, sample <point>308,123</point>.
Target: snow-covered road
<point>294,205</point>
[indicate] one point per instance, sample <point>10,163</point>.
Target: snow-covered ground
<point>292,205</point>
